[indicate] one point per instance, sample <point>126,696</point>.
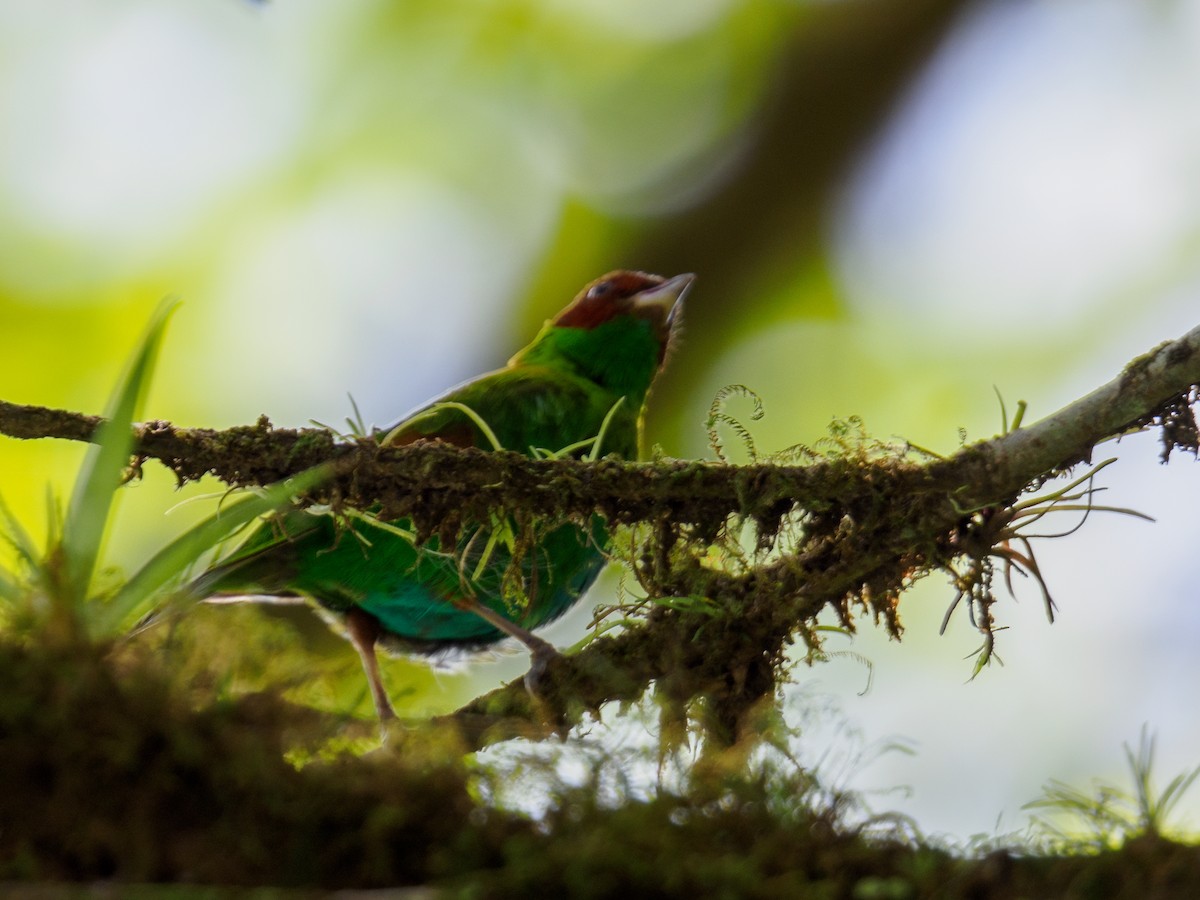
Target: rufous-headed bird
<point>584,379</point>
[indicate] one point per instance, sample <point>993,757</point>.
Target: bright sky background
<point>1042,186</point>
<point>349,207</point>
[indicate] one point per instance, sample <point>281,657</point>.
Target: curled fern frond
<point>718,416</point>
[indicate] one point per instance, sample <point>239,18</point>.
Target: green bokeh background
<point>892,207</point>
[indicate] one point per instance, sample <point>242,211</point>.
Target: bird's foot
<point>542,655</point>
<point>543,682</point>
<point>392,732</point>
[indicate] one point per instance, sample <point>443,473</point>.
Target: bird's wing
<point>521,408</point>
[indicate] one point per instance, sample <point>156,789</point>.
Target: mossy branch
<point>871,526</point>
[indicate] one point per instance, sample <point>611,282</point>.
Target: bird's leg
<point>363,631</point>
<point>541,653</point>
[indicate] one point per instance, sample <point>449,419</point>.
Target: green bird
<point>579,387</point>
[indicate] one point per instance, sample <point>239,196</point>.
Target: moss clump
<point>108,774</point>
<point>103,777</point>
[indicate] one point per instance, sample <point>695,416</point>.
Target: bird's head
<point>640,295</point>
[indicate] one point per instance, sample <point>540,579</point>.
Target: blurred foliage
<point>1110,815</point>
<point>58,593</point>
<point>112,776</point>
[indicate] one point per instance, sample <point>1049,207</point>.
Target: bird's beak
<point>667,297</point>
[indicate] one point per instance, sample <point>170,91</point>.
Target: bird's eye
<point>599,290</point>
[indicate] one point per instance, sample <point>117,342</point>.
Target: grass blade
<point>15,535</point>
<point>100,475</point>
<point>10,588</point>
<point>134,598</point>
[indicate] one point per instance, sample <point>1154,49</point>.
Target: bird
<point>579,387</point>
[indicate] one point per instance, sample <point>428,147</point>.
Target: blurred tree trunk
<point>837,83</point>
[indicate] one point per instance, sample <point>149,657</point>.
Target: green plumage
<point>583,380</point>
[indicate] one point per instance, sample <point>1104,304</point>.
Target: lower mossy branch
<point>869,523</point>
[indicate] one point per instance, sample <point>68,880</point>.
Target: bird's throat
<point>621,355</point>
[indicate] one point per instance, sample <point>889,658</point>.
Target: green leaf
<point>100,475</point>
<point>135,597</point>
<point>15,534</point>
<point>690,604</point>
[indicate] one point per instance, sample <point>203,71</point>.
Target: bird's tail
<point>233,581</point>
